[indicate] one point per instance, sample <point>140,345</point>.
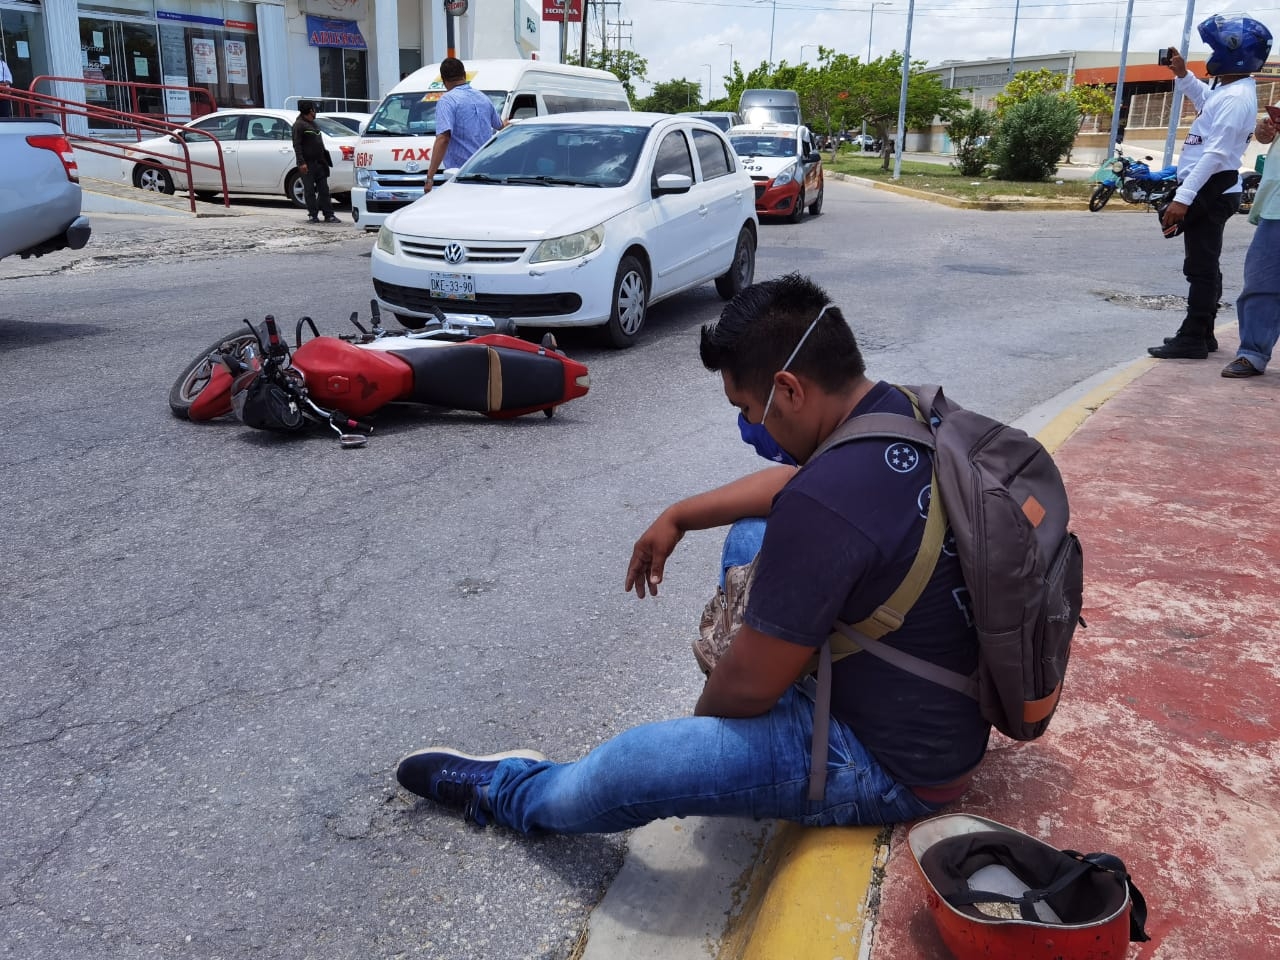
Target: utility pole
<point>604,24</point>
<point>582,55</point>
<point>619,24</point>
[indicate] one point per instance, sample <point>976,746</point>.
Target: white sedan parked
<point>257,154</point>
<point>575,220</point>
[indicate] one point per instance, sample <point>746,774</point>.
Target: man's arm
<point>438,149</point>
<point>753,673</point>
<point>1223,147</point>
<point>750,496</point>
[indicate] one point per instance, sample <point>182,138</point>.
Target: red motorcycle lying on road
<point>458,362</point>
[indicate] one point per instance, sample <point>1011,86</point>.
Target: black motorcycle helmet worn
<point>1240,44</point>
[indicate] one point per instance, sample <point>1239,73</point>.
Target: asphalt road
<point>219,642</point>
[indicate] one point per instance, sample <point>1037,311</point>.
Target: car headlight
<point>386,240</point>
<point>570,247</point>
<point>362,176</point>
<point>1118,167</point>
<point>785,177</point>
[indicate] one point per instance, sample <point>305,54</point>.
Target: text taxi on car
<point>783,161</point>
<point>394,151</point>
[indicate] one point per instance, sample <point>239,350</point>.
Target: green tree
<point>672,96</point>
<point>1032,136</point>
<point>1027,84</point>
<point>970,131</point>
<point>874,91</point>
<point>627,65</point>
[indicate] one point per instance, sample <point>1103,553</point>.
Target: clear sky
<point>682,38</point>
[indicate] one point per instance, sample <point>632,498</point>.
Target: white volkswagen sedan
<point>257,154</point>
<point>578,219</point>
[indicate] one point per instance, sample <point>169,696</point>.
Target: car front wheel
<point>630,302</point>
<point>798,213</point>
<point>155,179</point>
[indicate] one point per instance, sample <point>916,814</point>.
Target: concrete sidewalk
<point>1165,749</point>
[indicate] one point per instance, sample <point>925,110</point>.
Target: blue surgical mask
<point>755,434</point>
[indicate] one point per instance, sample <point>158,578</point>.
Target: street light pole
<point>870,27</point>
<point>773,20</point>
<point>1014,42</point>
<point>726,43</point>
<point>901,143</point>
<point>708,66</point>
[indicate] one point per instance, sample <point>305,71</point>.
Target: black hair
<point>306,106</point>
<point>759,328</point>
<point>451,68</point>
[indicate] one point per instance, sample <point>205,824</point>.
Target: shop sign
<point>553,11</point>
<point>210,21</point>
<point>327,32</point>
<point>455,8</point>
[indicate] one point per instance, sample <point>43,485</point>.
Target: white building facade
<point>347,53</point>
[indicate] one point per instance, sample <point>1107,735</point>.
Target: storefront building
<point>346,53</point>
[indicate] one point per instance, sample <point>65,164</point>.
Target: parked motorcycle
<point>1137,182</point>
<point>458,361</point>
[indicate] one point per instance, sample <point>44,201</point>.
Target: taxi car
<point>257,155</point>
<point>783,161</point>
<point>578,219</point>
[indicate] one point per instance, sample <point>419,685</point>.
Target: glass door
<point>344,84</point>
<point>22,46</point>
<point>114,53</point>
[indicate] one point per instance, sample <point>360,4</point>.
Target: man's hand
<point>1174,214</point>
<point>1266,130</point>
<point>649,555</point>
<point>1176,64</point>
<point>302,168</point>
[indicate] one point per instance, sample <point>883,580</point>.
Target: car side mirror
<point>176,138</point>
<point>673,183</point>
<point>812,157</point>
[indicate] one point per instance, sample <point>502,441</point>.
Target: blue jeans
<point>705,766</point>
<point>1258,305</point>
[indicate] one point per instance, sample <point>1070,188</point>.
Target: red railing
<point>48,106</point>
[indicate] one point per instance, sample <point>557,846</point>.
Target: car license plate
<point>452,286</point>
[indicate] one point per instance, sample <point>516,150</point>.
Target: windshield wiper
<point>553,181</point>
<point>378,131</point>
<point>478,178</point>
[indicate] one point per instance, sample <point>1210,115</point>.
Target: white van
<point>395,149</point>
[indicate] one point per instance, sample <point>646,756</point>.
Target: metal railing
<point>48,106</point>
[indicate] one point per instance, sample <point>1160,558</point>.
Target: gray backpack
<point>1003,497</point>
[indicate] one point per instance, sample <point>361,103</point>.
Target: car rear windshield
<point>333,128</point>
<point>413,114</point>
<point>746,146</point>
<point>598,155</point>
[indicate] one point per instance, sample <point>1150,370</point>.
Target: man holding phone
<point>1258,306</point>
<point>1208,169</point>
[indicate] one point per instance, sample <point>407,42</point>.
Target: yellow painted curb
<point>1054,433</point>
<point>808,896</point>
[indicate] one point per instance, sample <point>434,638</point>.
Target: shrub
<point>1033,135</point>
<point>969,134</point>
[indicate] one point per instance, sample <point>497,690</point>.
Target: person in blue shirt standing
<point>1258,306</point>
<point>465,119</point>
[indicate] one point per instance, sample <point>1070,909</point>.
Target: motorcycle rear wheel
<point>195,376</point>
<point>1101,194</point>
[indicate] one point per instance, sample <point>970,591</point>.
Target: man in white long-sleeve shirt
<point>1208,170</point>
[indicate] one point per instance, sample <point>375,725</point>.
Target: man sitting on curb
<point>841,534</point>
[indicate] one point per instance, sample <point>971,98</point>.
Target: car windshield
<point>333,128</point>
<point>590,155</point>
<point>413,113</point>
<point>752,146</point>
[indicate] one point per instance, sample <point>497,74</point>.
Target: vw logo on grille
<point>413,166</point>
<point>455,253</point>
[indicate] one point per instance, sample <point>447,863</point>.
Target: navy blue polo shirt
<point>840,538</point>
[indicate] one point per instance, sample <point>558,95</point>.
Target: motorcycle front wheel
<point>196,375</point>
<point>1101,195</point>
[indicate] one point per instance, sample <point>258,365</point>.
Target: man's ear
<point>788,390</point>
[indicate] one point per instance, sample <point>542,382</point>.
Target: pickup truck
<point>39,190</point>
